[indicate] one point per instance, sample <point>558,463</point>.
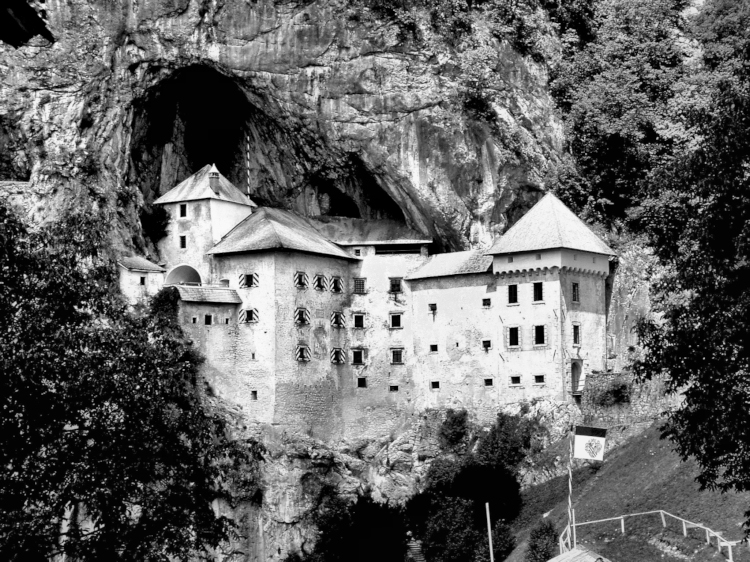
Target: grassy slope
<point>643,474</point>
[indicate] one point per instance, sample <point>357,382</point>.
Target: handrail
<point>720,541</point>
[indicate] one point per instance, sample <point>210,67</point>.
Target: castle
<point>346,328</point>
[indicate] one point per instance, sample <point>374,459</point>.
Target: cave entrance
<point>183,275</point>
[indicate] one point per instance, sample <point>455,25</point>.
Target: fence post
<point>708,537</point>
<point>729,546</point>
<point>663,519</point>
<point>684,528</point>
<point>622,524</point>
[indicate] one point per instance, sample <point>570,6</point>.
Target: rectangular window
<point>515,380</point>
<point>432,307</point>
<point>396,320</point>
<point>319,283</point>
<point>208,319</point>
<point>248,280</point>
<point>510,259</point>
<point>489,382</point>
<point>397,356</point>
<point>359,320</point>
<point>538,291</point>
<point>253,395</point>
<point>393,388</point>
<point>486,345</point>
<point>337,319</point>
<point>358,357</point>
<point>538,379</point>
<point>514,336</point>
<point>143,280</point>
<point>300,280</point>
<point>248,315</point>
<point>357,252</point>
<point>435,385</point>
<point>539,256</point>
<point>576,293</point>
<point>360,285</point>
<point>195,319</point>
<point>183,242</point>
<point>576,334</point>
<point>183,209</point>
<point>395,285</point>
<point>301,316</point>
<point>226,320</point>
<point>539,335</point>
<point>302,353</point>
<point>361,382</point>
<point>512,294</point>
<point>486,303</point>
<point>337,286</point>
<point>433,348</point>
<point>337,355</point>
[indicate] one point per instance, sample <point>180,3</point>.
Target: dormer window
<point>300,280</point>
<point>319,283</point>
<point>301,316</point>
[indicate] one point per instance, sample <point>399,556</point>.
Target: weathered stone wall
<point>131,288</point>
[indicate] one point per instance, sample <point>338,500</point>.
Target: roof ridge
<point>272,224</point>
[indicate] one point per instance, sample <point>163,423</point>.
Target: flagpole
<point>571,517</point>
<point>489,531</point>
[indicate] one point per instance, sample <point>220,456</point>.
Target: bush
<point>454,429</point>
<point>616,392</point>
<point>503,543</point>
<point>542,542</point>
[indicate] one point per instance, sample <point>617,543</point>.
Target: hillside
<point>643,474</point>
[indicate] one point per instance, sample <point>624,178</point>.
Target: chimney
<point>213,181</point>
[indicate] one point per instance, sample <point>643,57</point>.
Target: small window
<point>512,294</point>
<point>593,259</point>
<point>510,259</point>
<point>183,242</point>
<point>576,334</point>
<point>514,339</point>
<point>486,303</point>
<point>319,283</point>
<point>301,316</point>
<point>576,293</point>
<point>195,319</point>
<point>489,382</point>
<point>183,210</point>
<point>248,280</point>
<point>397,356</point>
<point>538,379</point>
<point>358,357</point>
<point>248,315</point>
<point>302,353</point>
<point>338,356</point>
<point>252,356</point>
<point>539,256</point>
<point>226,320</point>
<point>357,252</point>
<point>432,308</point>
<point>393,388</point>
<point>395,285</point>
<point>515,380</point>
<point>539,335</point>
<point>359,320</point>
<point>396,320</point>
<point>337,286</point>
<point>300,280</point>
<point>360,285</point>
<point>143,280</point>
<point>253,395</point>
<point>486,345</point>
<point>575,257</point>
<point>538,291</point>
<point>435,385</point>
<point>337,319</point>
<point>361,382</point>
<point>208,319</point>
<point>433,348</point>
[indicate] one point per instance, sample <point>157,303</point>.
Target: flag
<point>589,443</point>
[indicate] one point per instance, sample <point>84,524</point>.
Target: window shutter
<point>243,316</point>
<point>255,280</point>
<point>546,336</point>
<point>520,337</point>
<point>507,337</point>
<point>242,281</point>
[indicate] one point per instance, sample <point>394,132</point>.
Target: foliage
<point>503,543</point>
<point>454,430</point>
<point>451,536</point>
<point>154,222</point>
<point>617,391</point>
<point>103,436</point>
<point>542,542</point>
<point>364,530</point>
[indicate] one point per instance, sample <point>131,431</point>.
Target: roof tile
<point>454,263</point>
<point>208,294</point>
<point>137,263</point>
<point>198,187</point>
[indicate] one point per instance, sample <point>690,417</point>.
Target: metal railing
<point>721,542</point>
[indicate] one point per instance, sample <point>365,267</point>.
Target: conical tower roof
<point>549,224</point>
<point>198,186</point>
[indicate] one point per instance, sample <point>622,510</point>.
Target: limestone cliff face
<point>318,106</point>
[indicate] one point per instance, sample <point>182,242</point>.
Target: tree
<point>503,543</point>
<point>542,542</point>
<point>698,217</point>
<point>107,450</point>
<point>451,534</point>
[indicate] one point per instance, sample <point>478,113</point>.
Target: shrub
<point>542,542</point>
<point>503,543</point>
<point>616,392</point>
<point>454,429</point>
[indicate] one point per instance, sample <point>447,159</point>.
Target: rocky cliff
<point>322,107</point>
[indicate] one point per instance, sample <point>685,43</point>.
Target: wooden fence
<point>568,539</point>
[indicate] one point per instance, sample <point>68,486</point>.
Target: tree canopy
<point>107,450</point>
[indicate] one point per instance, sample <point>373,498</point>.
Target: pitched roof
<point>454,263</point>
<point>137,263</point>
<point>351,232</point>
<point>269,229</point>
<point>208,294</point>
<point>578,555</point>
<point>198,187</point>
<point>549,224</point>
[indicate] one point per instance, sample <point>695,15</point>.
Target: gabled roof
<point>549,224</point>
<point>137,263</point>
<point>269,229</point>
<point>454,263</point>
<point>208,294</point>
<point>198,187</point>
<point>352,232</point>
